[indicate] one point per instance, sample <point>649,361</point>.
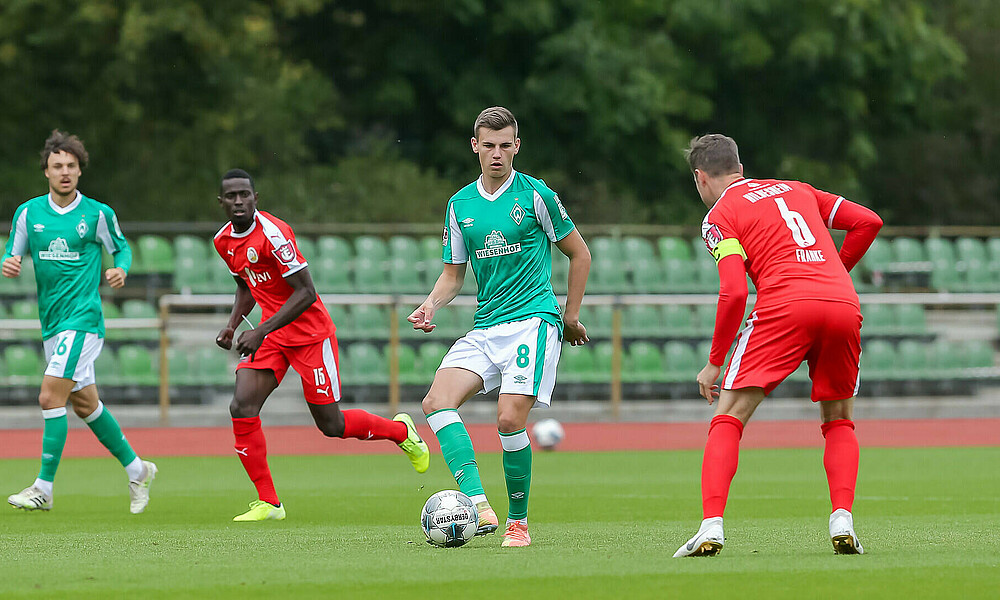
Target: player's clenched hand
<point>115,277</point>
<point>706,382</point>
<point>249,342</point>
<point>225,338</point>
<point>574,332</point>
<point>421,318</point>
<point>12,266</point>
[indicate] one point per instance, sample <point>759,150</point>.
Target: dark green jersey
<point>507,236</point>
<point>65,246</point>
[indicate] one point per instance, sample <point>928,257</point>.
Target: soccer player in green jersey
<point>504,223</point>
<point>64,232</point>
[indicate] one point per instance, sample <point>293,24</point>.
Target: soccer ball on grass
<point>449,519</point>
<point>548,433</point>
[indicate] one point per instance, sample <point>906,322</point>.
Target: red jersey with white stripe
<point>782,228</point>
<point>262,257</point>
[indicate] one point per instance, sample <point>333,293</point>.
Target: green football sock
<point>456,448</point>
<point>106,428</point>
<point>53,441</point>
<point>517,472</point>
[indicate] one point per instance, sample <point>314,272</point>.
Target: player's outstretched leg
<point>38,496</point>
<point>414,446</point>
<point>251,447</point>
<point>456,448</point>
<point>517,474</point>
<point>718,467</point>
<point>140,473</point>
<point>840,459</point>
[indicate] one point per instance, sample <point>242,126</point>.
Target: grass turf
<point>604,525</point>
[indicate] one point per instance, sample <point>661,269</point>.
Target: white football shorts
<point>71,355</point>
<point>519,357</point>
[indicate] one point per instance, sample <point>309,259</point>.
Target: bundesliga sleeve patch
<point>285,253</point>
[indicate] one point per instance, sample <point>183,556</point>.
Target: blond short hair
<point>495,118</point>
<point>715,154</point>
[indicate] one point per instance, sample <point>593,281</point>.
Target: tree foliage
<point>346,109</point>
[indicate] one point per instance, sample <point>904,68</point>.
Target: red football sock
<point>252,450</point>
<point>363,425</point>
<point>722,456</point>
<point>841,461</point>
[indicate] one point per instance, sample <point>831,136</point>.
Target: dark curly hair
<point>60,141</point>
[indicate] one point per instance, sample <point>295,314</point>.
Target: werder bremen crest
<point>496,245</point>
<point>82,228</point>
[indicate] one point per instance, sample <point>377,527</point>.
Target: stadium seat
<point>409,371</point>
<point>946,360</point>
<point>945,277</point>
<point>370,247</point>
<point>703,350</point>
<point>607,277</point>
<point>463,319</point>
<point>364,364</point>
<point>23,365</point>
<point>602,363</point>
<point>27,310</point>
<point>218,280</point>
<point>338,314</point>
<point>560,271</point>
<point>190,274</point>
<point>637,248</point>
<point>878,319</point>
<point>912,359</point>
<point>139,309</point>
<point>370,321</point>
<point>678,321</point>
<point>156,253</point>
<point>939,249</point>
<point>369,275</point>
<point>680,362</point>
<point>106,368</point>
<point>878,256</point>
<point>708,276</point>
<point>911,319</point>
<point>193,246</point>
<point>642,363</point>
<point>604,248</point>
<point>648,277</point>
<point>430,355</point>
<point>110,310</point>
<point>878,360</point>
<point>673,248</point>
<point>680,276</point>
<point>211,366</point>
<point>642,320</point>
<point>404,276</point>
<point>597,320</point>
<point>576,364</point>
<point>705,318</point>
<point>136,365</point>
<point>979,277</point>
<point>405,247</point>
<point>978,354</point>
<point>180,366</point>
<point>431,248</point>
<point>970,249</point>
<point>993,250</point>
<point>307,248</point>
<point>330,275</point>
<point>334,247</point>
<point>908,250</point>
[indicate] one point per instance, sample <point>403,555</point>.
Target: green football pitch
<point>604,525</point>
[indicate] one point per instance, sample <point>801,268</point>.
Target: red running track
<point>218,441</point>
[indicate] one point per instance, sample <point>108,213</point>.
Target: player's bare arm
<point>303,296</point>
<point>707,377</point>
<point>447,286</point>
<point>242,306</point>
<point>12,266</point>
<point>575,248</point>
<point>115,277</point>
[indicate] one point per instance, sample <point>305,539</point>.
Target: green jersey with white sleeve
<point>508,236</point>
<point>65,244</point>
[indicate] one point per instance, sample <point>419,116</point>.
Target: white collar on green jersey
<point>500,190</point>
<point>69,207</point>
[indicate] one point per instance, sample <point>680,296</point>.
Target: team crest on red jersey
<point>252,254</point>
<point>285,252</point>
<point>712,235</point>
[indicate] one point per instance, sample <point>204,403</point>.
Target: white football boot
<point>31,498</point>
<point>138,491</point>
<point>845,541</point>
<point>707,542</point>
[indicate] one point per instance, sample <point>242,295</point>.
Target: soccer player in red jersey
<point>806,309</point>
<point>295,330</point>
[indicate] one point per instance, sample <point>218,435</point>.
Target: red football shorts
<point>317,365</point>
<point>777,339</point>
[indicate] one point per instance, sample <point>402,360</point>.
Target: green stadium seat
<point>708,277</point>
<point>211,366</point>
<point>680,362</point>
<point>23,365</point>
<point>404,246</point>
<point>430,355</point>
<point>334,247</point>
<point>307,248</point>
<point>608,277</point>
<point>560,271</point>
<point>879,360</point>
<point>139,309</point>
<point>331,276</point>
<point>370,321</point>
<point>648,277</point>
<point>180,367</point>
<point>607,249</point>
<point>878,256</point>
<point>27,310</point>
<point>431,248</point>
<point>680,275</point>
<point>213,279</point>
<point>409,368</point>
<point>703,350</point>
<point>642,320</point>
<point>878,319</point>
<point>679,321</point>
<point>190,274</point>
<point>908,250</point>
<point>576,365</point>
<point>110,310</point>
<point>369,275</point>
<point>945,277</point>
<point>978,277</point>
<point>597,320</point>
<point>156,253</point>
<point>106,368</point>
<point>637,248</point>
<point>196,247</point>
<point>364,364</point>
<point>705,318</point>
<point>970,249</point>
<point>602,363</point>
<point>940,249</point>
<point>673,248</point>
<point>137,366</point>
<point>912,359</point>
<point>946,360</point>
<point>370,247</point>
<point>911,319</point>
<point>978,354</point>
<point>993,249</point>
<point>642,363</point>
<point>24,284</point>
<point>339,316</point>
<point>404,277</point>
<point>470,287</point>
<point>464,318</point>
